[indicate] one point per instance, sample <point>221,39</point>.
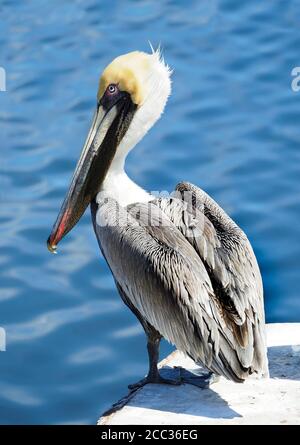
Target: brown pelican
<point>183,267</point>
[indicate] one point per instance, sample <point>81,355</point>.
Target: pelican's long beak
<point>109,125</point>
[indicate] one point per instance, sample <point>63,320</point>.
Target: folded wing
<point>189,288</point>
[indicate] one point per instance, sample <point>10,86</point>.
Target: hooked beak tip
<point>51,247</point>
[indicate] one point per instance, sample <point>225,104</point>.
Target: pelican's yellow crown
<point>129,72</point>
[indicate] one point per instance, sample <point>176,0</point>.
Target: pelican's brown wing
<point>231,265</point>
<point>167,282</point>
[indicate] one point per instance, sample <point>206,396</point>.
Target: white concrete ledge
<point>268,401</point>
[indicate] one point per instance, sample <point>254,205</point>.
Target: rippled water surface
<point>232,126</point>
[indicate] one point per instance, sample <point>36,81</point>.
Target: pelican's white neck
<point>119,186</point>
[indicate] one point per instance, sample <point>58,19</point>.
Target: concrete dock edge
<point>267,401</point>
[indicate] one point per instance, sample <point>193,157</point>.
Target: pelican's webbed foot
<point>203,381</point>
<point>177,376</point>
<point>167,376</point>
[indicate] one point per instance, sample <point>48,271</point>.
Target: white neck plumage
<point>119,186</point>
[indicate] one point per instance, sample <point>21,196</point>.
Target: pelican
<point>180,263</point>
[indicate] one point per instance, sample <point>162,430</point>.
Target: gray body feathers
<point>190,272</point>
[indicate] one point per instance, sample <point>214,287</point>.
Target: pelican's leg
<point>179,375</point>
<point>153,340</point>
<point>153,353</point>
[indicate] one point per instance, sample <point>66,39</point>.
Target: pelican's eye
<point>112,95</point>
<point>112,89</point>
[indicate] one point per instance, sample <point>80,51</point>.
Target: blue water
<point>232,126</point>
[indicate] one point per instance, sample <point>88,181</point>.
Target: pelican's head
<point>132,94</point>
